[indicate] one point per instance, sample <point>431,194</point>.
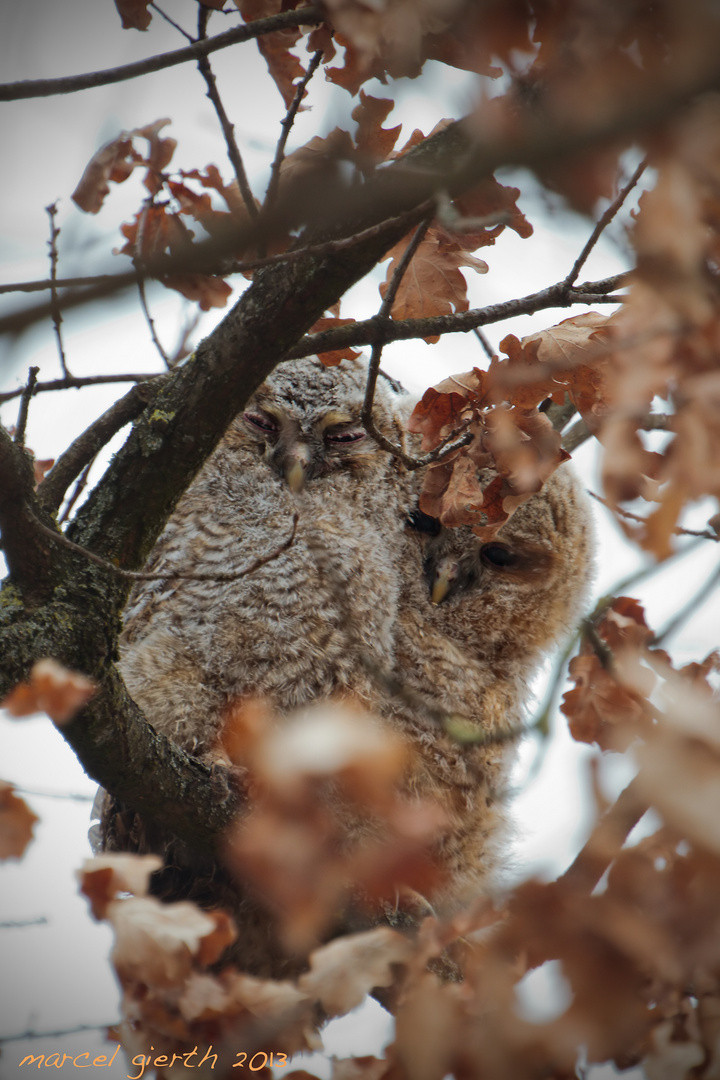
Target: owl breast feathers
<point>366,587</point>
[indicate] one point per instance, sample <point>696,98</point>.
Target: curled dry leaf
<point>342,973</point>
<point>326,816</point>
<point>433,284</point>
<point>51,689</point>
<point>134,14</point>
<point>284,66</point>
<point>16,823</point>
<point>115,161</point>
<point>512,453</point>
<point>336,356</point>
<point>159,943</point>
<point>373,141</point>
<point>102,878</point>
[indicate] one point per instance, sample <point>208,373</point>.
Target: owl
<point>475,620</point>
<point>370,595</point>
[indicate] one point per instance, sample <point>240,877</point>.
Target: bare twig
<point>176,26</point>
<point>603,224</point>
<point>483,339</point>
<point>25,394</point>
<point>228,131</point>
<point>31,1034</point>
<point>286,126</point>
<point>76,383</point>
<point>84,449</point>
<point>56,314</point>
<point>21,924</point>
<point>704,534</point>
<point>366,415</point>
<point>688,610</point>
<point>80,485</point>
<point>166,575</point>
<point>32,88</point>
<point>605,842</point>
<point>377,330</point>
<point>72,796</point>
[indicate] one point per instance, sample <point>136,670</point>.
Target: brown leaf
<point>40,467</point>
<point>336,356</point>
<point>157,943</point>
<point>283,66</point>
<point>52,689</point>
<point>111,163</point>
<point>134,14</point>
<point>445,407</point>
<point>343,972</point>
<point>16,823</point>
<point>373,141</point>
<point>102,878</point>
<point>433,284</point>
<point>207,290</point>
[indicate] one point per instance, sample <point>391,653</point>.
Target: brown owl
<point>367,590</point>
<point>475,620</point>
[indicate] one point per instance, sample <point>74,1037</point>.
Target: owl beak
<point>296,468</point>
<point>444,577</point>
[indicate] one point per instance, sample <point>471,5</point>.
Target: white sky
<point>56,975</point>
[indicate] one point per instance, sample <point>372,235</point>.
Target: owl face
<point>304,422</point>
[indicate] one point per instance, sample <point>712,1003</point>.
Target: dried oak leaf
<point>134,14</point>
<point>335,356</point>
<point>160,943</point>
<point>102,878</point>
<point>51,689</point>
<point>283,66</point>
<point>432,284</point>
<point>207,290</point>
<point>111,163</point>
<point>343,972</point>
<point>373,141</point>
<point>571,357</point>
<point>16,823</point>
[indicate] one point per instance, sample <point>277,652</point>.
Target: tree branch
<point>76,383</point>
<point>70,464</point>
<point>378,330</point>
<point>33,88</point>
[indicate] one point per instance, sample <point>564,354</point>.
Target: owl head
<point>304,421</point>
<point>528,584</point>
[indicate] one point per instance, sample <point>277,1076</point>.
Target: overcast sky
<point>55,975</point>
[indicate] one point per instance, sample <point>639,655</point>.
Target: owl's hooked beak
<point>296,467</point>
<point>445,574</point>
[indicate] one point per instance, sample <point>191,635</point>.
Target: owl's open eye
<point>262,421</point>
<point>339,438</point>
<point>498,556</point>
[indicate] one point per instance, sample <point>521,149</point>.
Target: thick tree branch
<point>33,88</point>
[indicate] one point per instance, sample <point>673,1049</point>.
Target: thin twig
<point>137,262</point>
<point>176,26</point>
<point>228,130</point>
<point>681,617</point>
<point>483,339</point>
<point>605,841</point>
<point>21,924</point>
<point>603,224</point>
<point>76,383</point>
<point>80,485</point>
<point>31,1034</point>
<point>704,534</point>
<point>54,304</point>
<point>388,300</point>
<point>25,394</point>
<point>87,445</point>
<point>72,796</point>
<point>68,84</point>
<point>286,126</point>
<point>169,575</point>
